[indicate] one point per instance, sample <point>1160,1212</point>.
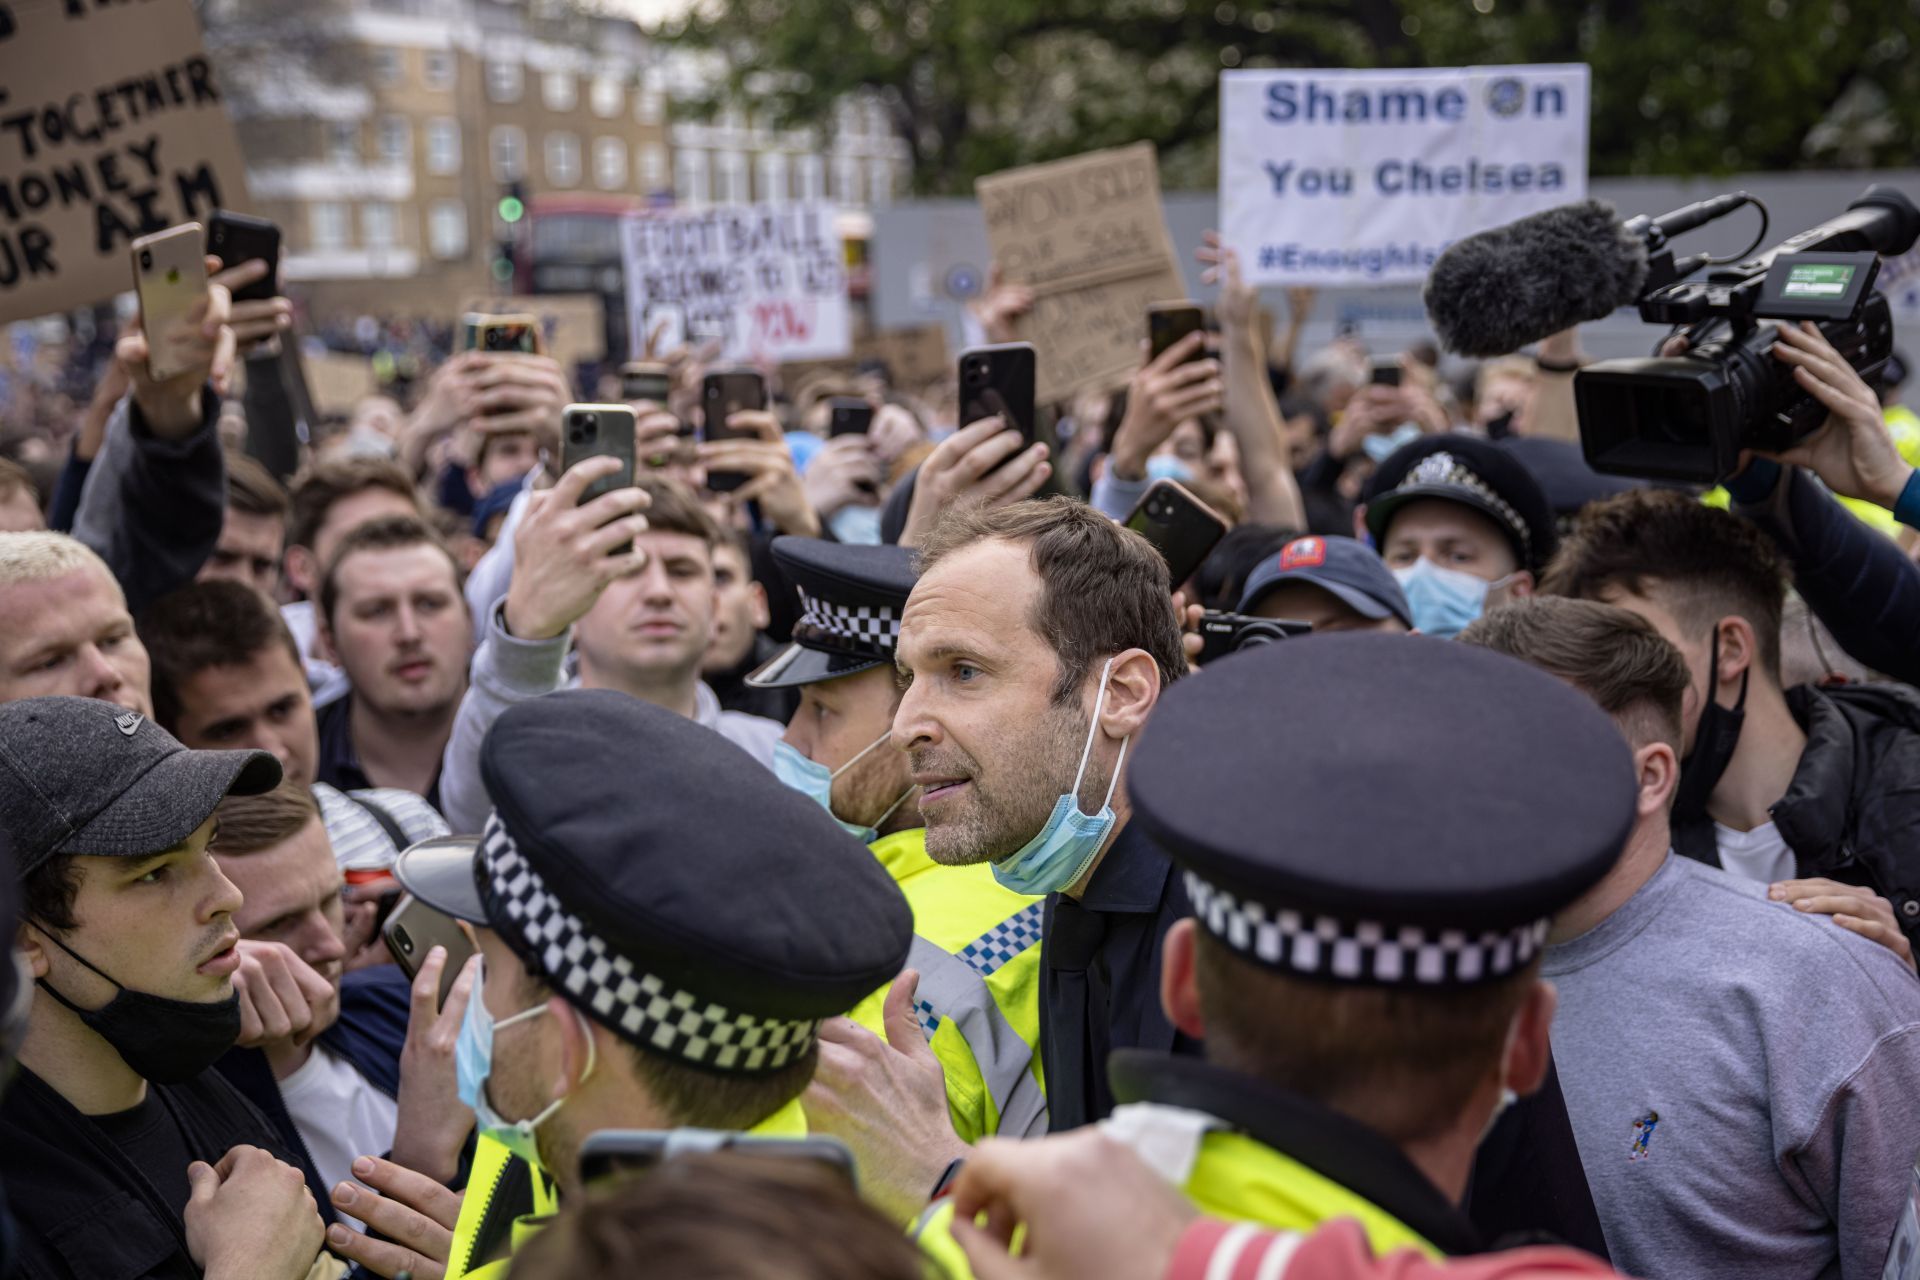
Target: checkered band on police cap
<point>1363,952</point>
<point>641,1006</point>
<point>1443,468</point>
<point>861,627</point>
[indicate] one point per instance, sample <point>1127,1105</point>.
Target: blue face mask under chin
<point>1444,602</point>
<point>473,1064</point>
<point>1063,850</point>
<point>1165,466</point>
<point>815,781</point>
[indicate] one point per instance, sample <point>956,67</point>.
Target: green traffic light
<point>512,209</point>
<point>502,269</point>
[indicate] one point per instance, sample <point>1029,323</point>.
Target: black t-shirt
<point>152,1142</point>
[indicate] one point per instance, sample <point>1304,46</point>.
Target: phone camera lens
<point>402,940</point>
<point>590,421</point>
<point>146,260</point>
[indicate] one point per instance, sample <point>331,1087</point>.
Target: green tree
<point>972,86</point>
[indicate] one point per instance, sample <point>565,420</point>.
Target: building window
<point>733,177</point>
<point>559,90</point>
<point>652,161</point>
<point>879,183</point>
<point>437,69</point>
<point>649,107</point>
<point>846,179</point>
<point>395,139</point>
<point>503,81</point>
<point>563,159</point>
<point>385,69</point>
<point>327,225</point>
<point>508,147</point>
<point>376,225</point>
<point>812,178</point>
<point>447,229</point>
<point>773,176</point>
<point>609,163</point>
<point>343,141</point>
<point>690,176</point>
<point>606,97</point>
<point>443,145</point>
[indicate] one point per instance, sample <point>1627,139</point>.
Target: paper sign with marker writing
<point>1087,235</point>
<point>111,127</point>
<point>768,281</point>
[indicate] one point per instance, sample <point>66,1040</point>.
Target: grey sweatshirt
<point>507,670</point>
<point>1743,1079</point>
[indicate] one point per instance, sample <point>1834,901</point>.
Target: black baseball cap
<point>80,776</point>
<point>1347,569</point>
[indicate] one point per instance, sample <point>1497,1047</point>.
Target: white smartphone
<point>170,276</point>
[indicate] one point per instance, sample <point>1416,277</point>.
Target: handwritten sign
<point>111,127</point>
<point>768,280</point>
<point>1365,177</point>
<point>1088,237</point>
<point>573,325</point>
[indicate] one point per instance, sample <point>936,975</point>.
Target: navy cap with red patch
<point>1343,567</point>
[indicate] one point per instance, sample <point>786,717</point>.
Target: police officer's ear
<point>1179,989</point>
<point>578,1052</point>
<point>1517,585</point>
<point>1529,1053</point>
<point>1657,770</point>
<point>1133,686</point>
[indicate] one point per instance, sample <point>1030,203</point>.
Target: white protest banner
<point>1364,177</point>
<point>768,280</point>
<point>111,127</point>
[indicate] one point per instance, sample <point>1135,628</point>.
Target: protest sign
<point>1364,177</point>
<point>573,325</point>
<point>111,127</point>
<point>1088,237</point>
<point>769,281</point>
<point>337,381</point>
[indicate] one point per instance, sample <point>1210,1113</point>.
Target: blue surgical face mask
<point>815,781</point>
<point>473,1063</point>
<point>1444,602</point>
<point>1165,466</point>
<point>1380,448</point>
<point>856,526</point>
<point>1066,846</point>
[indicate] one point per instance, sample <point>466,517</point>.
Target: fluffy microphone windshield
<point>1497,291</point>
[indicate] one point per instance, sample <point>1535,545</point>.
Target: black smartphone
<point>723,393</point>
<point>848,416</point>
<point>1168,322</point>
<point>1180,526</point>
<point>1385,372</point>
<point>599,431</point>
<point>614,1152</point>
<point>414,929</point>
<point>1225,633</point>
<point>998,380</point>
<point>646,380</point>
<point>235,238</point>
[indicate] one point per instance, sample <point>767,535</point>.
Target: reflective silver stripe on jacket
<point>952,988</point>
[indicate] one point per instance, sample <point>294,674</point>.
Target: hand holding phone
<point>997,381</point>
<point>724,393</point>
<point>414,929</point>
<point>1180,526</point>
<point>647,380</point>
<point>848,416</point>
<point>1168,322</point>
<point>170,278</point>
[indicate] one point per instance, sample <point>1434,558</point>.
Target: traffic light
<point>503,260</point>
<point>513,203</point>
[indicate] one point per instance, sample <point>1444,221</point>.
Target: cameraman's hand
<point>772,479</point>
<point>251,1217</point>
<point>966,467</point>
<point>1176,385</point>
<point>1853,453</point>
<point>564,553</point>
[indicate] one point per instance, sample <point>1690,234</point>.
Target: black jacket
<point>1852,811</point>
<point>83,1211</point>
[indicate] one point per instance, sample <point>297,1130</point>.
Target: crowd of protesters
<point>853,869</point>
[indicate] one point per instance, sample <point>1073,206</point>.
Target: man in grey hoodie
<point>1740,1072</point>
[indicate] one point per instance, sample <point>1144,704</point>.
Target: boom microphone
<point>1493,293</point>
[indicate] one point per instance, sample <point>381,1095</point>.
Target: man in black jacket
<point>1804,788</point>
<point>121,1153</point>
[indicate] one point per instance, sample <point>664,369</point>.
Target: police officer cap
<point>1474,472</point>
<point>668,885</point>
<point>1383,810</point>
<point>851,598</point>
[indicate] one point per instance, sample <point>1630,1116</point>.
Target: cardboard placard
<point>768,280</point>
<point>111,127</point>
<point>915,356</point>
<point>338,381</point>
<point>573,325</point>
<point>1087,235</point>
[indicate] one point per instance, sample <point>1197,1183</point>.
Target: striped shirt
<point>360,841</point>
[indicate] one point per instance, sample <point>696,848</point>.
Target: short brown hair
<point>751,1217</point>
<point>1103,588</point>
<point>675,509</point>
<point>252,490</point>
<point>1703,563</point>
<point>1615,657</point>
<point>14,477</point>
<point>384,533</point>
<point>250,824</point>
<point>206,624</point>
<point>1402,1062</point>
<point>316,489</point>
